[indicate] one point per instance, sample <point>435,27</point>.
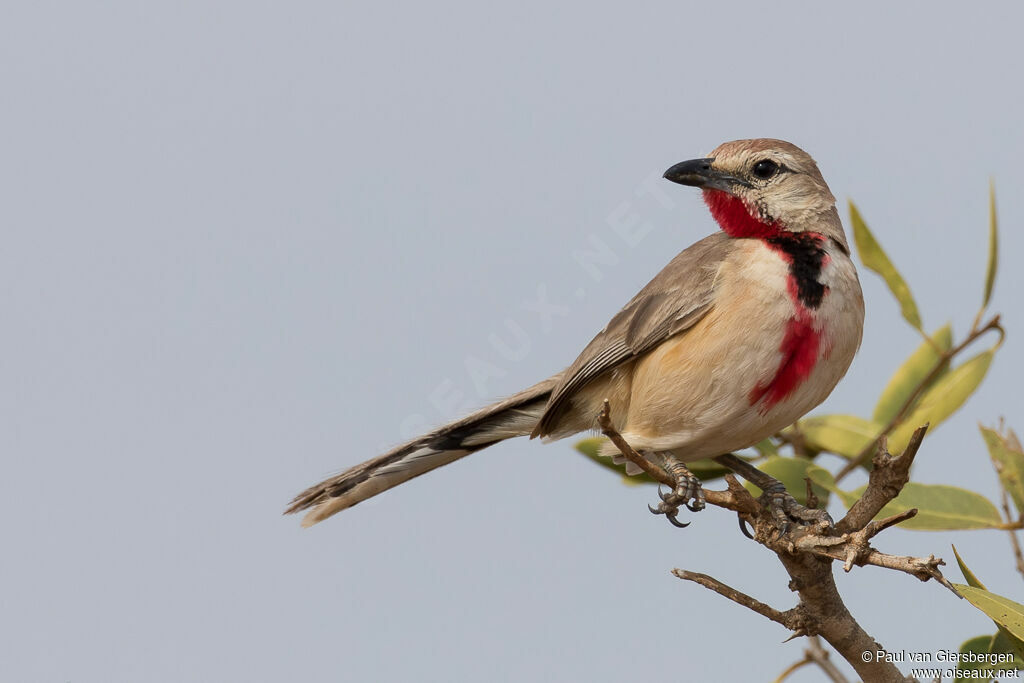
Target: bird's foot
<point>786,511</point>
<point>687,491</point>
<point>783,508</point>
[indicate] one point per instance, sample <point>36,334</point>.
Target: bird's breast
<point>760,359</point>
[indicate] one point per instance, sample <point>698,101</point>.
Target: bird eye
<point>765,169</point>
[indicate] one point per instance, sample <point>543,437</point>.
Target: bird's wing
<point>680,295</point>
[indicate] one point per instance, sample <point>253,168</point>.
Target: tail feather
<point>515,416</point>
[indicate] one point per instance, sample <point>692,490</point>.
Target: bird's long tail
<point>515,416</point>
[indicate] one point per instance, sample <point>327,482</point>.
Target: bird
<point>740,335</point>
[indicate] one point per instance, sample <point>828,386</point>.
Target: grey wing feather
<point>680,295</point>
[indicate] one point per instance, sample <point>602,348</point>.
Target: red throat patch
<point>735,219</point>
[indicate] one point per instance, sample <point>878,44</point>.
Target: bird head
<point>763,188</point>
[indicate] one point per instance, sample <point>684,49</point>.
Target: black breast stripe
<point>806,259</point>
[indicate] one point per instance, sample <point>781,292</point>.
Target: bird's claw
<point>687,492</point>
<point>744,528</point>
<point>676,523</point>
<point>670,512</point>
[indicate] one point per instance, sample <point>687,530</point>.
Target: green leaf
<point>591,447</point>
<point>819,476</point>
<point>791,472</point>
<point>1005,642</point>
<point>978,645</point>
<point>1012,440</point>
<point>1001,643</point>
<point>874,258</point>
<point>913,371</point>
<point>823,478</point>
<point>1009,463</point>
<point>1005,612</point>
<point>846,435</point>
<point>705,470</point>
<point>766,448</point>
<point>939,507</point>
<point>969,576</point>
<point>993,246</point>
<point>942,399</point>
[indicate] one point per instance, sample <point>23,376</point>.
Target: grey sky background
<point>249,244</point>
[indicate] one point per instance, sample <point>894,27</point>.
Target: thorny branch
<point>886,480</point>
<point>807,555</point>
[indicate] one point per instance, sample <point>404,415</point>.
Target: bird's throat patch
<point>803,252</point>
<point>735,218</point>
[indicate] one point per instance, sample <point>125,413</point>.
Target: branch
<point>790,619</point>
<point>886,481</point>
<point>807,554</point>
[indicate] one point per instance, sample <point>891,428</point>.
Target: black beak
<point>700,173</point>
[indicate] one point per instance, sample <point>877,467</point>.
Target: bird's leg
<point>686,488</point>
<point>783,507</point>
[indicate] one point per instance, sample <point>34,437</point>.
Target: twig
<point>862,457</point>
<point>1014,542</point>
<point>810,496</point>
<point>792,668</point>
<point>789,619</point>
<point>655,472</point>
<point>817,654</point>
